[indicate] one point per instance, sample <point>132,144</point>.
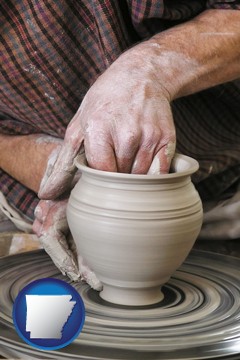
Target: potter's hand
<point>52,229</point>
<point>125,121</point>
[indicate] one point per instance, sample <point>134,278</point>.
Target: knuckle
<point>169,140</point>
<point>131,136</point>
<point>171,135</point>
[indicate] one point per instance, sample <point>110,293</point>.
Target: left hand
<point>52,229</point>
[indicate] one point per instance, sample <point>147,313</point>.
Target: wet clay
<point>134,231</point>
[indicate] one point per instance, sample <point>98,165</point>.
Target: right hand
<point>125,122</point>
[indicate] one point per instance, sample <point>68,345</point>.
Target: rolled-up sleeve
<point>224,4</point>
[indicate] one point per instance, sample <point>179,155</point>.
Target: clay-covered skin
<point>125,119</point>
<point>52,228</point>
<point>135,230</point>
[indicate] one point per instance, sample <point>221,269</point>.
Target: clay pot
<point>134,231</point>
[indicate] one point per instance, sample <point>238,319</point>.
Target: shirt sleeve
<point>11,126</point>
<point>224,4</point>
<point>18,196</point>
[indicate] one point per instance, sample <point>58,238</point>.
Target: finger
<point>61,169</point>
<point>150,141</point>
<point>88,275</point>
<point>37,226</point>
<point>162,160</point>
<point>126,148</point>
<point>142,160</point>
<point>53,238</point>
<point>40,214</point>
<point>42,209</point>
<point>55,245</point>
<point>100,154</point>
<point>112,149</point>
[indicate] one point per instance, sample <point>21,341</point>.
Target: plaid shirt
<point>53,51</point>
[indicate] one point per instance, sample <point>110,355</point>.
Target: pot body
<point>134,231</point>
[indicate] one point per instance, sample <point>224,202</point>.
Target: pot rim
<point>190,166</point>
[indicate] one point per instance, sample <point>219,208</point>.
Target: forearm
<point>193,56</point>
<point>25,157</point>
<point>211,46</point>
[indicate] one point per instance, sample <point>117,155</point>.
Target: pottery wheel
<point>199,317</point>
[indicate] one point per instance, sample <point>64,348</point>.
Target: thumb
<point>60,169</point>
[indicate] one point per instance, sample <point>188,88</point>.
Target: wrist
<point>169,70</point>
